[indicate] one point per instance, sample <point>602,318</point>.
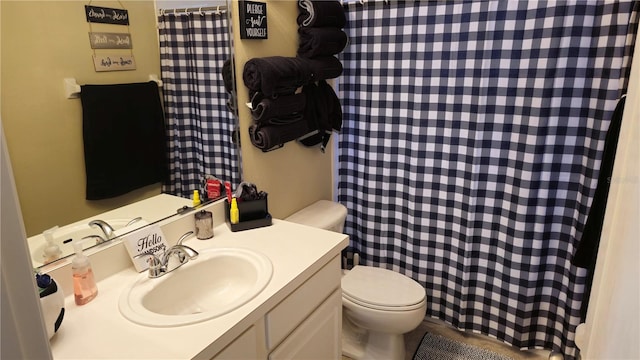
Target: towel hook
<point>200,11</point>
<point>218,10</point>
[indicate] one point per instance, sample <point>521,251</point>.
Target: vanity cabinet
<point>318,337</point>
<point>307,324</point>
<point>245,346</point>
<point>298,315</point>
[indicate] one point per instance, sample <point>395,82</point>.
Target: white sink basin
<point>217,282</point>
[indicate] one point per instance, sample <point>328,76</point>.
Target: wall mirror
<point>47,41</point>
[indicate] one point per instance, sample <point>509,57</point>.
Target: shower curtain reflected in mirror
<point>200,128</point>
<point>471,143</point>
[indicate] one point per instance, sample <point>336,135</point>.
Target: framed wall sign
<point>253,19</point>
<point>105,40</point>
<point>96,14</point>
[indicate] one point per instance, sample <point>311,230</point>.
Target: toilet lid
<point>381,287</point>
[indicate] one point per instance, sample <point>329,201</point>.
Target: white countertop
<point>97,330</point>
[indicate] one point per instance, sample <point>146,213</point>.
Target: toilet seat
<point>382,289</point>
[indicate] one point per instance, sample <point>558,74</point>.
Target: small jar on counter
<point>204,224</point>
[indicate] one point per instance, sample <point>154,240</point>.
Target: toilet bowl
<point>379,305</point>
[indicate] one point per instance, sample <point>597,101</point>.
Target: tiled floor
<point>412,340</point>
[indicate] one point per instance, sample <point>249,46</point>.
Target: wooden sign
<point>253,19</point>
<point>104,40</point>
<point>148,240</point>
<point>96,14</point>
<point>113,62</point>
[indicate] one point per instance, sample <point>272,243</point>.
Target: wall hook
<point>156,79</point>
<point>71,88</point>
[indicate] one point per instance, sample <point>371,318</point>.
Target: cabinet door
<point>243,347</point>
<point>318,337</point>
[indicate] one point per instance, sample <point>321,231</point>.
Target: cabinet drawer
<point>291,311</point>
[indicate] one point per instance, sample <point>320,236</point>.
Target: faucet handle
<point>156,267</point>
<point>99,239</point>
<point>136,219</point>
<point>184,236</point>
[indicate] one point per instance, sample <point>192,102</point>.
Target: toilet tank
<point>322,214</point>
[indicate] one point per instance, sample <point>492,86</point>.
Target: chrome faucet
<point>160,266</point>
<point>107,229</point>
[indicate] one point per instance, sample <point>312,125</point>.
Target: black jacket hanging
<point>585,255</point>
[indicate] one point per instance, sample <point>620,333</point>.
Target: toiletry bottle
<point>84,284</point>
<point>196,198</point>
<point>51,251</point>
<point>234,214</point>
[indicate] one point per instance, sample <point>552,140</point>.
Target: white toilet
<point>379,305</point>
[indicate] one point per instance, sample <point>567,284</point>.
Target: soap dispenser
<point>51,251</point>
<point>84,283</point>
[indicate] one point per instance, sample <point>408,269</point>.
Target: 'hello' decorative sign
<point>148,240</point>
<point>253,19</point>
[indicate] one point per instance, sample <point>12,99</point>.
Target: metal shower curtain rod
<point>221,9</point>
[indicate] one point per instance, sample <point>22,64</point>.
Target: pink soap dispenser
<point>84,283</point>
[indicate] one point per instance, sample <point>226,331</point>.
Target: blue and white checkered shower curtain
<point>470,150</point>
<point>193,49</point>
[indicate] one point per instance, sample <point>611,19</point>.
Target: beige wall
<point>294,176</point>
<point>42,43</point>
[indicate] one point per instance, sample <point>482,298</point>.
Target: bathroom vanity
<point>297,314</point>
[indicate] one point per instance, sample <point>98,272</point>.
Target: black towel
<point>229,80</point>
<point>124,138</point>
<point>326,67</point>
<point>585,255</point>
<point>227,76</point>
<point>315,42</point>
<point>276,74</point>
<point>324,114</point>
<point>321,13</point>
<point>274,136</point>
<point>282,107</point>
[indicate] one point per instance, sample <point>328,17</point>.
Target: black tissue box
<point>253,214</point>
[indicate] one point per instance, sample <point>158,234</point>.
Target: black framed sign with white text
<point>253,19</point>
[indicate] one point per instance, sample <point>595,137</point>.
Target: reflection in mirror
<point>57,243</point>
<point>194,45</point>
<point>44,129</point>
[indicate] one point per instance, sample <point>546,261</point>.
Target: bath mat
<point>438,347</point>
